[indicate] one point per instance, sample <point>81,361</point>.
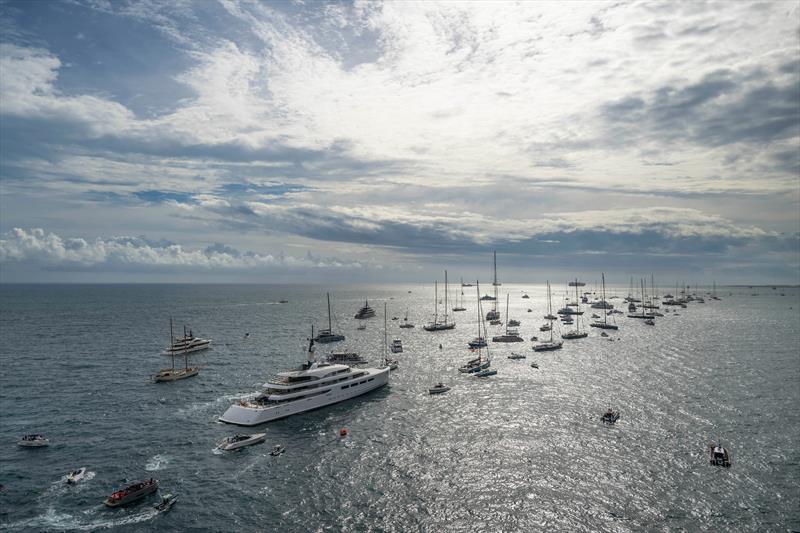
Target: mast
<point>507,296</point>
<point>494,306</point>
<point>478,288</point>
<point>643,300</point>
<point>329,312</point>
<point>171,343</point>
<point>384,332</point>
<point>436,302</point>
<point>445,297</point>
<point>605,311</point>
<point>578,307</point>
<point>550,309</point>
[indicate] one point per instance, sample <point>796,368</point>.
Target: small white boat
<point>439,388</point>
<point>76,475</point>
<point>166,503</point>
<point>239,441</point>
<point>33,441</point>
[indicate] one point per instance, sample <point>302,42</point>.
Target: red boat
<point>132,493</point>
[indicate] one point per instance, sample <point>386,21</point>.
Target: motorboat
<point>546,327</point>
<point>513,323</point>
<point>477,342</point>
<point>610,417</point>
<point>474,365</point>
<point>650,322</point>
<point>166,503</point>
<point>604,334</point>
<point>575,334</point>
<point>602,304</point>
<point>550,316</point>
<point>396,346</point>
<point>486,297</point>
<point>406,324</point>
<point>311,386</point>
<point>439,388</point>
<point>174,374</point>
<point>530,310</point>
<point>534,365</point>
<point>186,344</point>
<point>33,441</point>
<point>496,322</point>
<point>283,301</point>
<point>718,455</point>
<point>76,475</point>
<point>569,311</point>
<point>277,450</point>
<point>486,373</point>
<point>595,315</point>
<point>534,338</point>
<point>234,442</point>
<point>525,296</point>
<point>365,312</point>
<point>516,356</point>
<point>132,493</point>
<point>631,307</point>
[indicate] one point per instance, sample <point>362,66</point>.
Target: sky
<point>242,141</point>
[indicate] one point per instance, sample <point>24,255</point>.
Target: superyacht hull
<point>255,415</point>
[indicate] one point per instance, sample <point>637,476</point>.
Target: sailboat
<point>460,305</point>
<point>174,374</point>
<point>479,363</point>
<point>511,335</point>
<point>494,314</point>
<point>644,315</point>
<point>326,335</point>
<point>436,325</point>
<point>391,363</point>
<point>604,324</point>
<point>406,324</point>
<point>576,333</point>
<point>551,344</point>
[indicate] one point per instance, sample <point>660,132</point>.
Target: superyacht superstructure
<point>311,386</point>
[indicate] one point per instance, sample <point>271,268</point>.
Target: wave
<point>157,462</point>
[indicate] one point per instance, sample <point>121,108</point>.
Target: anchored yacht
<point>297,391</point>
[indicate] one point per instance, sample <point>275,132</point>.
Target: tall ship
<point>311,386</point>
<point>327,335</point>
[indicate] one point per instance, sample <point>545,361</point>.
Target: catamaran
<point>326,335</point>
<point>311,386</point>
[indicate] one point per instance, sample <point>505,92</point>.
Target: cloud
<point>36,246</point>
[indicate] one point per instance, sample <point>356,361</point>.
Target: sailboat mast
<point>494,283</point>
<point>329,312</point>
<point>507,297</point>
<point>578,307</point>
<point>605,306</point>
<point>550,309</point>
<point>478,288</point>
<point>171,343</point>
<point>436,302</point>
<point>384,331</point>
<point>445,296</point>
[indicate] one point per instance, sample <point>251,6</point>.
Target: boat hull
<point>254,439</point>
<point>174,375</point>
<point>546,347</point>
<point>252,416</point>
<point>134,496</point>
<point>190,349</point>
<point>604,326</point>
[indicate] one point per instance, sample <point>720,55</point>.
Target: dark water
<point>520,451</point>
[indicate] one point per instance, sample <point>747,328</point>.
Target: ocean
<point>520,451</point>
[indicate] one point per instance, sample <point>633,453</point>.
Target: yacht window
<point>370,379</point>
<point>362,382</point>
<point>345,386</point>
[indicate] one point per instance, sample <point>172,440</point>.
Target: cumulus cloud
<point>49,249</point>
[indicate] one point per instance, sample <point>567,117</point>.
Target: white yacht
<point>396,346</point>
<point>297,391</point>
<point>186,344</point>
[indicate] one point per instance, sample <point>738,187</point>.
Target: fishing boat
<point>439,388</point>
<point>604,324</point>
<point>575,333</point>
<point>172,373</point>
<point>132,493</point>
<point>326,335</point>
<point>493,314</point>
<point>718,455</point>
<point>551,344</point>
<point>311,386</point>
<point>610,417</point>
<point>33,441</point>
<point>365,312</point>
<point>234,442</point>
<point>76,475</point>
<point>479,363</point>
<point>186,344</point>
<point>511,335</point>
<point>166,503</point>
<point>436,325</point>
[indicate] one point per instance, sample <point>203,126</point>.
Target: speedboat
<point>516,356</point>
<point>166,503</point>
<point>650,322</point>
<point>277,450</point>
<point>719,455</point>
<point>240,441</point>
<point>486,373</point>
<point>396,346</point>
<point>365,312</point>
<point>610,417</point>
<point>76,475</point>
<point>534,365</point>
<point>131,493</point>
<point>33,441</point>
<point>311,386</point>
<point>439,388</point>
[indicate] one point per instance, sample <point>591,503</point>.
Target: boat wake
<point>213,404</point>
<point>53,520</point>
<point>157,462</point>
